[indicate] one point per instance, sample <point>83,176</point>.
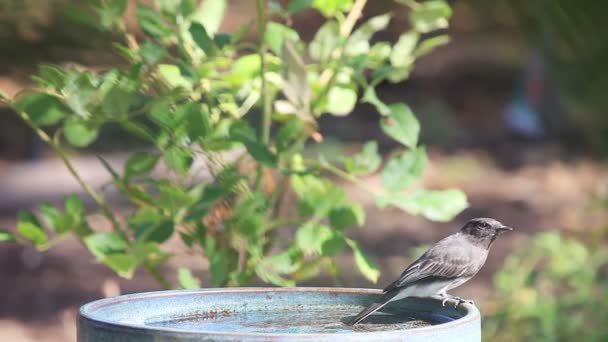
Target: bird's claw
<point>461,301</point>
<point>445,300</point>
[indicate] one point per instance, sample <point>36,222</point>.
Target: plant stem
<point>267,110</point>
<point>345,175</point>
<point>64,158</point>
<point>329,75</point>
<point>345,29</point>
<point>158,276</point>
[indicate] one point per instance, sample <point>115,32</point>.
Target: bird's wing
<point>449,258</point>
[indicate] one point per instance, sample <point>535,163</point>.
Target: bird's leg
<point>443,297</point>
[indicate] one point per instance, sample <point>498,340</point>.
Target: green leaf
<point>32,232</point>
<point>152,53</point>
<point>330,8</point>
<point>430,44</point>
<point>29,227</point>
<point>186,279</point>
<point>435,205</point>
<point>244,134</point>
<point>378,54</point>
<point>150,253</point>
<point>222,40</point>
<point>298,5</point>
<point>179,159</point>
<point>55,219</point>
<point>346,216</point>
<point>311,237</point>
<point>141,164</point>
<point>246,67</point>
<point>111,12</point>
<point>334,245</point>
<point>5,235</point>
<point>297,88</point>
<point>371,97</point>
<point>272,267</point>
<point>403,127</point>
<point>325,41</point>
<point>123,264</point>
<point>187,7</point>
<point>366,161</point>
<point>51,76</point>
<point>104,244</point>
<point>430,15</point>
<point>210,14</point>
<point>173,76</point>
<point>74,206</point>
<point>43,109</point>
<point>277,33</point>
<point>151,22</point>
<point>78,133</point>
<point>366,265</point>
<point>119,97</point>
<point>358,43</point>
<point>341,100</point>
<point>202,39</point>
<point>402,52</point>
<point>400,172</point>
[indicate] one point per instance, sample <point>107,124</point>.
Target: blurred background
<point>513,111</point>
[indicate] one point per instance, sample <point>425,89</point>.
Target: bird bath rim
<point>87,312</point>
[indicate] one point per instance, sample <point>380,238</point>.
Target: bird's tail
<point>373,307</point>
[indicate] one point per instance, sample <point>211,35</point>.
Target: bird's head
<point>484,228</point>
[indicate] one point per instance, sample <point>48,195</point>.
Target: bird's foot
<point>446,298</point>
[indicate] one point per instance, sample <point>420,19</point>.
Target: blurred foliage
<point>553,289</point>
<point>188,90</point>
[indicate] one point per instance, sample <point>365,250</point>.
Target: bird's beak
<point>504,229</point>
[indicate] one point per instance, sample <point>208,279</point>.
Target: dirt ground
<point>40,292</point>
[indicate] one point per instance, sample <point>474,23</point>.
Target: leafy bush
<point>555,289</point>
<point>187,89</point>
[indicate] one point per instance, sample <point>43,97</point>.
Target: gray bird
<point>448,264</point>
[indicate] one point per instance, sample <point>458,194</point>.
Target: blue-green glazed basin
<point>272,314</point>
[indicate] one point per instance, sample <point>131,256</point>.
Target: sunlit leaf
<point>211,14</point>
<point>123,264</point>
<point>186,279</point>
<point>366,161</point>
<point>364,263</point>
<point>441,205</point>
<point>5,235</point>
<point>330,8</point>
<point>403,125</point>
<point>430,15</point>
<point>43,109</point>
<point>276,34</point>
<point>78,132</point>
<point>401,171</point>
<point>325,41</point>
<point>341,100</point>
<point>402,52</point>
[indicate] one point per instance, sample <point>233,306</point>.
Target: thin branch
<point>158,276</point>
<point>99,199</point>
<point>345,29</point>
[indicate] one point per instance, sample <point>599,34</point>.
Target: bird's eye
<point>484,225</point>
